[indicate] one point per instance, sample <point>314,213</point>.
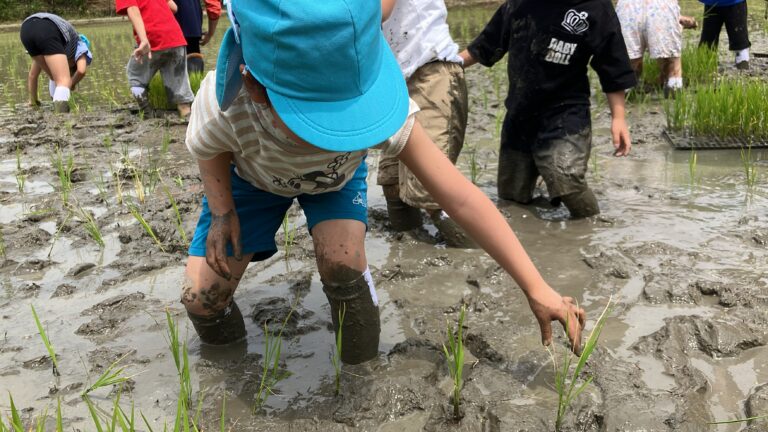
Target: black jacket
<point>550,43</point>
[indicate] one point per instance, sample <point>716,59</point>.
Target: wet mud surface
<point>684,260</point>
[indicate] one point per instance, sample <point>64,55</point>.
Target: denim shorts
<point>261,213</point>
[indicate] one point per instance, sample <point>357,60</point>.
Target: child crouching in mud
<point>301,91</point>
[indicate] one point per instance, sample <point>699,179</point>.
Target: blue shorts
<point>261,213</point>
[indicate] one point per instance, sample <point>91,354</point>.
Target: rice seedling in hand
<point>567,379</point>
<point>454,357</point>
<point>46,342</point>
<point>271,374</point>
<point>336,356</point>
<point>148,229</point>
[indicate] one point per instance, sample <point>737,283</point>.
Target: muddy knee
<point>214,315</point>
<point>355,313</point>
<point>581,204</point>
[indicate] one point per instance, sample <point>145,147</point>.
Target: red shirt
<point>162,29</point>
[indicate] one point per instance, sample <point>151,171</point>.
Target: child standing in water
<point>547,129</point>
<point>655,25</point>
<point>417,33</point>
<point>301,90</point>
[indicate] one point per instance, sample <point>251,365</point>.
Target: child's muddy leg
<point>208,299</point>
<point>517,175</point>
<point>347,283</point>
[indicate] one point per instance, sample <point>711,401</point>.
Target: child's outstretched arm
<point>34,73</point>
<point>466,204</point>
<point>134,15</point>
<point>619,129</point>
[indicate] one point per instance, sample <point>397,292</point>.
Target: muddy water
<point>683,259</point>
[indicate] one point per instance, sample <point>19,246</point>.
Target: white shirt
<point>417,32</point>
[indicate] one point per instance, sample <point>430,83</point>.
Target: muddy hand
<point>225,229</point>
<point>547,305</point>
<point>620,134</point>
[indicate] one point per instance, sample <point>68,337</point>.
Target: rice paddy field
<point>97,208</point>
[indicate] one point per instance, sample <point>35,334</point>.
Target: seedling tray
<point>682,142</point>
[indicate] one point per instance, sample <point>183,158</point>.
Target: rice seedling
<point>148,229</point>
<point>41,420</point>
<point>454,357</point>
<point>741,420</point>
<point>178,221</point>
<point>180,358</point>
<point>158,97</point>
<point>46,342</point>
<point>58,232</point>
<point>101,187</point>
<point>94,414</point>
<point>750,167</point>
<point>179,181</point>
<point>107,140</point>
<point>271,374</point>
<point>15,421</point>
<point>118,184</point>
<point>91,227</point>
<point>59,421</point>
<point>20,177</point>
<point>692,163</point>
<point>165,144</point>
<point>64,167</point>
<point>566,379</point>
<point>336,356</point>
<point>729,108</point>
<point>2,244</point>
<point>112,375</point>
<point>222,417</point>
<point>474,167</point>
<point>289,235</point>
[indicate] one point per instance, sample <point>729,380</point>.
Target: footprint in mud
<point>111,313</point>
<point>273,311</point>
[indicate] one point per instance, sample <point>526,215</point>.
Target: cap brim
<point>229,79</point>
<point>352,124</point>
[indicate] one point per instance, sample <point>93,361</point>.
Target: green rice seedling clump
<point>271,374</point>
<point>158,98</point>
<point>730,108</point>
<point>567,378</point>
<point>454,357</point>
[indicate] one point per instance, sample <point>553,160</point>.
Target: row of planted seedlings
<point>187,417</point>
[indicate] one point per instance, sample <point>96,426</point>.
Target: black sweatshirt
<point>550,43</point>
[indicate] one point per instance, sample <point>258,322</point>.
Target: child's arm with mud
<point>466,204</point>
<point>225,224</point>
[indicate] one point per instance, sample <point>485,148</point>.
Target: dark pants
<point>555,145</point>
<point>735,19</point>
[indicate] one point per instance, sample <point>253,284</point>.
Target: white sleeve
<point>396,143</point>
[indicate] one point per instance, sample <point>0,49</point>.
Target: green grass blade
<point>223,413</point>
<point>46,342</point>
<point>15,418</point>
<point>94,414</point>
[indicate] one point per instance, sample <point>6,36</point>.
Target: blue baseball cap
<point>327,68</point>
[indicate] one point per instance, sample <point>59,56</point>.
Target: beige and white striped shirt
<point>263,155</point>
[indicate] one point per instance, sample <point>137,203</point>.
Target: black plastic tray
<point>709,142</point>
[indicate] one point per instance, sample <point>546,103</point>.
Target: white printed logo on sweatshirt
<point>576,22</point>
<point>560,52</point>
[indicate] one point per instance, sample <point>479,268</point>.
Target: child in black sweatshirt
<point>547,129</point>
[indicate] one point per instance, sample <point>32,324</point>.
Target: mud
<point>684,261</point>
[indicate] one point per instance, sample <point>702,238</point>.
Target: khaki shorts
<point>440,90</point>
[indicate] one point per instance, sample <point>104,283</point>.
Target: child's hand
<point>224,229</point>
<point>547,305</point>
<point>620,134</point>
<point>143,50</point>
<point>688,22</point>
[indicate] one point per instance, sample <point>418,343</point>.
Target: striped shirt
<point>67,30</point>
<point>264,155</point>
